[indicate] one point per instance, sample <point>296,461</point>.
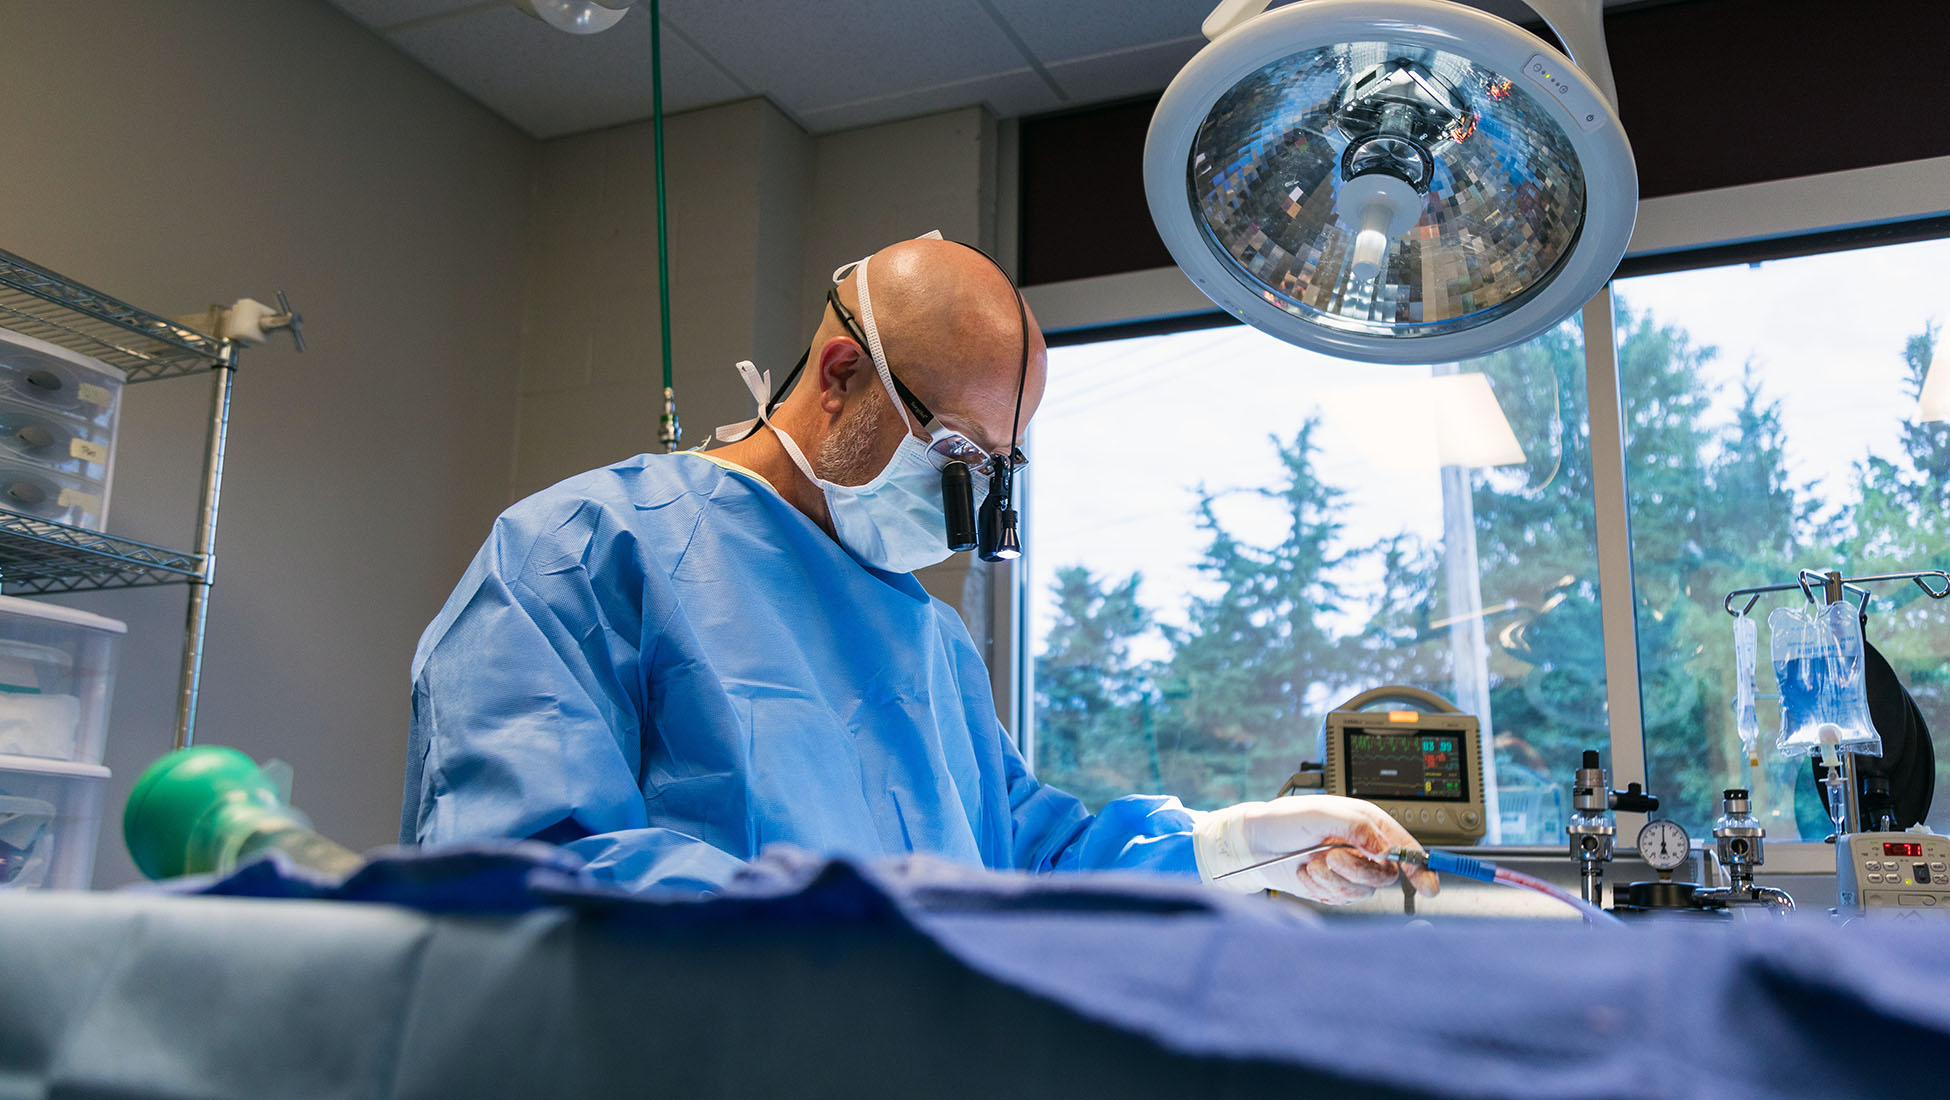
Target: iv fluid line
<point>1482,870</point>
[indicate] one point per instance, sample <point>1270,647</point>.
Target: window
<point>1770,426</point>
<point>1229,536</point>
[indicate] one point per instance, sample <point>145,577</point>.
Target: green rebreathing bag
<point>211,808</point>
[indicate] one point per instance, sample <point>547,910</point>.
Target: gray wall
<point>483,323</point>
<point>591,380</point>
<point>187,153</point>
<point>760,215</point>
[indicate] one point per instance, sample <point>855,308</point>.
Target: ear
<point>843,366</point>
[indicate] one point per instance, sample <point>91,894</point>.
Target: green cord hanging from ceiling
<point>668,431</point>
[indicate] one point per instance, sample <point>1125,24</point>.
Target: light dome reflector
<point>1401,181</point>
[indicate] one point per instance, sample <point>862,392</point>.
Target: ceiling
<point>829,64</point>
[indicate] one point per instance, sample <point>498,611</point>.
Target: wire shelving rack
<point>38,557</point>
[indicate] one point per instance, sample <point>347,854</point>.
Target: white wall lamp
<point>1393,181</point>
<point>577,16</point>
<point>1423,424</point>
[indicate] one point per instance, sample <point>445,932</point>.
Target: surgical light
<point>577,16</point>
<point>1392,181</point>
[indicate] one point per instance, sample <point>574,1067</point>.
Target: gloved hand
<point>1244,834</point>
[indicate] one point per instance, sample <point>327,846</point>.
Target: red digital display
<point>1911,850</point>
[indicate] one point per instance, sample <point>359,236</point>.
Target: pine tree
<point>1535,534</point>
<point>1093,698</point>
<point>1712,508</point>
<point>1901,522</point>
<point>1244,686</point>
<point>1774,517</point>
<point>1693,538</point>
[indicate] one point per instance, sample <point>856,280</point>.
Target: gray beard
<point>851,455</point>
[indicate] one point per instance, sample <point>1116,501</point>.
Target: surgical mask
<point>894,522</point>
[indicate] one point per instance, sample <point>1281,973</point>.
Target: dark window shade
<point>1718,93</point>
<point>1082,210</point>
<point>1131,330</point>
<point>1713,93</point>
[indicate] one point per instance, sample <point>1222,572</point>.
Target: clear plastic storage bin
<point>57,674</point>
<point>42,493</point>
<point>51,377</point>
<point>42,437</point>
<point>50,817</point>
<point>58,412</point>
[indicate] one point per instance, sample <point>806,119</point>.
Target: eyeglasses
<point>951,446</point>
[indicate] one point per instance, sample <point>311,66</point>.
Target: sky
<point>1130,429</point>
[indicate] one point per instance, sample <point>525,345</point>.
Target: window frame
<point>1810,214</point>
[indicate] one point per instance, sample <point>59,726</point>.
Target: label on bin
<point>74,498</point>
<point>88,452</point>
<point>95,395</point>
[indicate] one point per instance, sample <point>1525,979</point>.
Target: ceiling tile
<point>1007,95</point>
<point>550,83</point>
<point>1087,28</point>
<point>830,64</point>
<point>1125,72</point>
<point>380,14</point>
<point>811,57</point>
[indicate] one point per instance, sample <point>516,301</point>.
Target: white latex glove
<point>1241,835</point>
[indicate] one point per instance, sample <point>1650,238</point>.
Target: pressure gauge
<point>1664,845</point>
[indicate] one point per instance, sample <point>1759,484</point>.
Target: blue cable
<point>1449,863</point>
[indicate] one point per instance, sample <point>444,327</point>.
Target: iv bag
<point>1746,721</point>
<point>1817,657</point>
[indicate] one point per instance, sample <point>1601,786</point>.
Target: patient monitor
<point>1410,753</point>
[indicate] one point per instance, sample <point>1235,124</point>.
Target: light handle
<point>1230,14</point>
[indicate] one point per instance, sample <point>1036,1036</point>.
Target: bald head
<point>950,329</point>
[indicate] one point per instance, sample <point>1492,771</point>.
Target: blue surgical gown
<point>664,666</point>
